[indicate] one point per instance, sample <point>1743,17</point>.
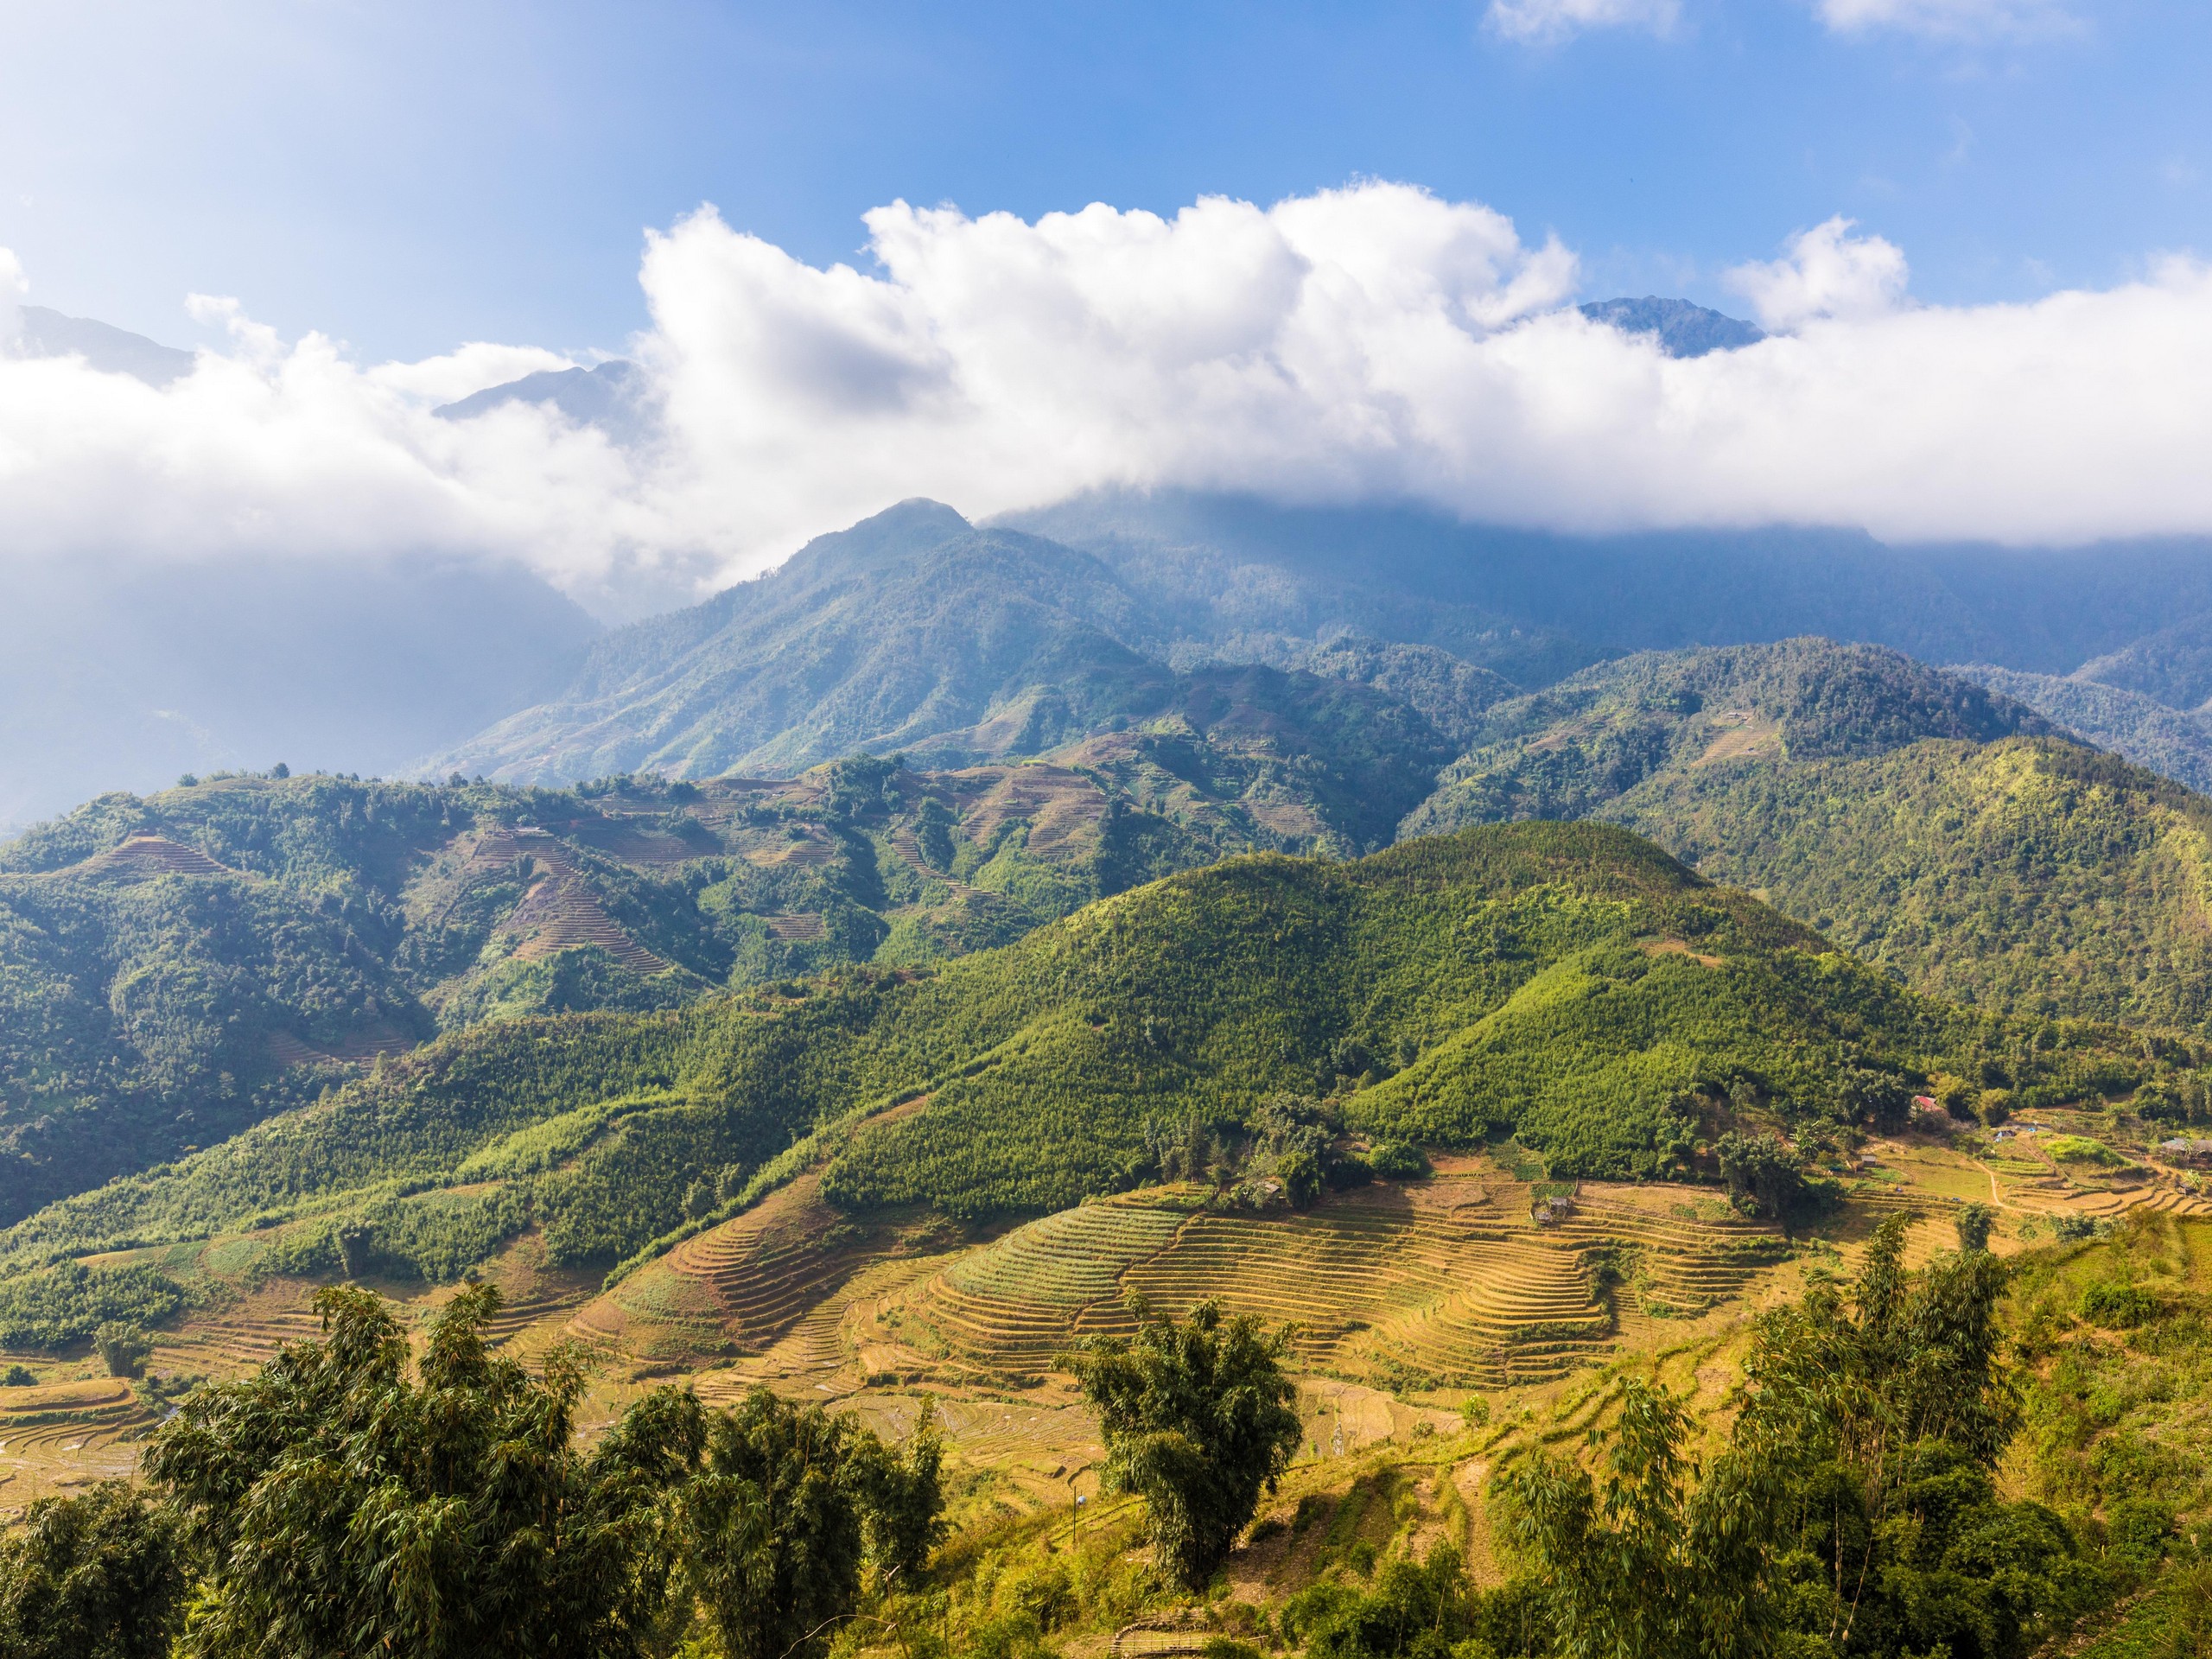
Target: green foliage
<point>124,1349</point>
<point>2172,741</point>
<point>341,1506</point>
<point>2029,875</point>
<point>155,1002</point>
<point>1198,1422</point>
<point>2118,1307</point>
<point>1765,1174</point>
<point>1642,1565</point>
<point>98,1576</point>
<point>1569,750</point>
<point>1974,1223</point>
<point>1915,818</point>
<point>64,1304</point>
<point>1426,1608</point>
<point>788,1505</point>
<point>1396,1161</point>
<point>1890,1407</point>
<point>1568,984</point>
<point>1854,1510</point>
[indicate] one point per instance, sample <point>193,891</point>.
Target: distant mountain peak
<point>42,333</point>
<point>1682,329</point>
<point>608,397</point>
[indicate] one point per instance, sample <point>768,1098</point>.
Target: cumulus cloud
<point>1948,19</point>
<point>1366,344</point>
<point>1828,274</point>
<point>1546,22</point>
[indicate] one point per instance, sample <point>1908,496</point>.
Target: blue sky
<point>407,175</point>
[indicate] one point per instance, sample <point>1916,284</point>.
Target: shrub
<point>2118,1307</point>
<point>123,1348</point>
<point>1398,1160</point>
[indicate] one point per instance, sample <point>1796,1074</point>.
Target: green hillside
<point>175,968</point>
<point>1936,828</point>
<point>2030,875</point>
<point>2174,742</point>
<point>1568,750</point>
<point>1568,984</point>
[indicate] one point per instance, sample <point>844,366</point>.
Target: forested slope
<point>174,967</point>
<point>1943,831</point>
<point>1568,984</point>
<point>2174,742</point>
<point>2030,875</point>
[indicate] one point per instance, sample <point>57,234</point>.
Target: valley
<point>1508,1044</point>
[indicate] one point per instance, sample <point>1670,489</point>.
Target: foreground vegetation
<point>1945,1460</point>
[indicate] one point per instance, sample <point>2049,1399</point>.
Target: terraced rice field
<point>1396,1290</point>
<point>1446,1282</point>
<point>67,1433</point>
<point>740,1288</point>
<point>1062,806</point>
<point>142,857</point>
<point>560,912</point>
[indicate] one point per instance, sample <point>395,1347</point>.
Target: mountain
<point>41,332</point>
<point>2151,733</point>
<point>2030,875</point>
<point>176,966</point>
<point>1681,328</point>
<point>916,633</point>
<point>124,672</point>
<point>2172,665</point>
<point>613,396</point>
<point>1537,605</point>
<point>1569,985</point>
<point>1940,830</point>
<point>1572,749</point>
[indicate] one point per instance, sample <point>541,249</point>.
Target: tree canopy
<point>1198,1422</point>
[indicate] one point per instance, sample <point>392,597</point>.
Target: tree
<point>342,1508</point>
<point>123,1348</point>
<point>905,1510</point>
<point>776,1525</point>
<point>1974,1223</point>
<point>1764,1174</point>
<point>1647,1565</point>
<point>1198,1421</point>
<point>95,1577</point>
<point>1890,1403</point>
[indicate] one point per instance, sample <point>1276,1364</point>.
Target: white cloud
<point>1369,343</point>
<point>1550,21</point>
<point>1948,19</point>
<point>1829,274</point>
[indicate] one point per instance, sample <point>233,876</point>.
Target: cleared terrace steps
<point>140,857</point>
<point>237,1338</point>
<point>904,843</point>
<point>819,1344</point>
<point>1429,1278</point>
<point>561,914</point>
<point>66,1416</point>
<point>746,1283</point>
